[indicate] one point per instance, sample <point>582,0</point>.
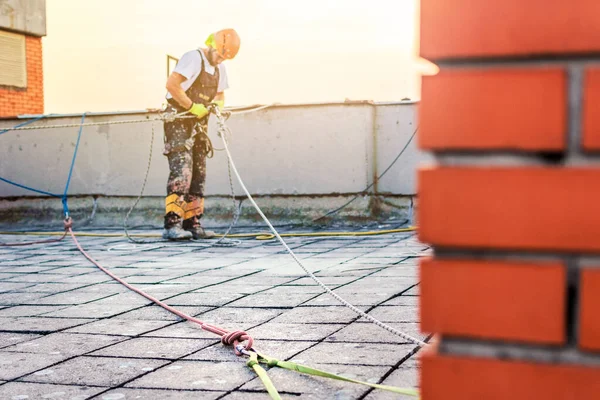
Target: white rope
<point>133,121</point>
<point>163,117</point>
<point>233,112</point>
<point>223,131</point>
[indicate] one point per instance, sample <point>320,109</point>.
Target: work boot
<point>192,225</point>
<point>173,228</point>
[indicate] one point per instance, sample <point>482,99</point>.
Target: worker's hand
<point>219,103</point>
<point>198,110</point>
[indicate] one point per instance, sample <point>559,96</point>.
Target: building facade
<point>22,26</point>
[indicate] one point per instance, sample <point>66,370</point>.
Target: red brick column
<point>29,100</point>
<point>512,206</point>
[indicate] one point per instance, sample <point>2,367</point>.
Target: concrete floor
<point>68,331</point>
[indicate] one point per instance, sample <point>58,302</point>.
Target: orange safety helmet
<point>226,42</point>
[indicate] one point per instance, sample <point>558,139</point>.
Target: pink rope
<point>227,338</point>
<point>68,224</point>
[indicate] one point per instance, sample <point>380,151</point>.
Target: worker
<point>196,84</point>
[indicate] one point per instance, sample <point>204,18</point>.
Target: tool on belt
<point>198,130</point>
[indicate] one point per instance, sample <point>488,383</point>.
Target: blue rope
<point>17,184</point>
<point>64,196</point>
<point>28,188</point>
<point>22,124</point>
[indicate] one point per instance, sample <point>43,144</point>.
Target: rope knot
<point>233,339</point>
<point>68,223</point>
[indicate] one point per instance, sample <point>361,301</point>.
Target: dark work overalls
<point>185,186</point>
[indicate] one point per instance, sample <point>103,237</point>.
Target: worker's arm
<point>220,100</point>
<point>174,87</point>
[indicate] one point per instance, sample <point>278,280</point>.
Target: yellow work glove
<point>198,110</point>
<point>220,104</point>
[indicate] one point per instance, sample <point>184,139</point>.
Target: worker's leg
<point>180,177</point>
<point>195,198</point>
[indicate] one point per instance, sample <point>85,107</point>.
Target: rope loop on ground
<point>68,222</point>
<point>234,338</point>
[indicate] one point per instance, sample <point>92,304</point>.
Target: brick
<point>508,109</point>
<point>494,300</point>
<point>30,101</point>
<point>453,377</point>
<point>591,119</point>
<point>589,328</point>
<point>474,28</point>
<point>529,208</point>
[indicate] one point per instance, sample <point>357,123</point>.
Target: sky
<point>111,55</point>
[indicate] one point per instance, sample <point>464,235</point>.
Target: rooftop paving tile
<point>66,327</point>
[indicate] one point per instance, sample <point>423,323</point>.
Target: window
<point>13,64</point>
<point>171,63</point>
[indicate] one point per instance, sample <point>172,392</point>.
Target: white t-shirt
<point>189,66</point>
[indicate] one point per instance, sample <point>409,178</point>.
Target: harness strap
<point>256,357</point>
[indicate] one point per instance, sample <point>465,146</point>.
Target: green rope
<point>256,358</point>
<point>262,374</point>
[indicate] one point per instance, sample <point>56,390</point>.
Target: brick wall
<point>512,206</point>
<point>30,100</point>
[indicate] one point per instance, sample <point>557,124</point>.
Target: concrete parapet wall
<point>100,212</point>
<point>305,150</point>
